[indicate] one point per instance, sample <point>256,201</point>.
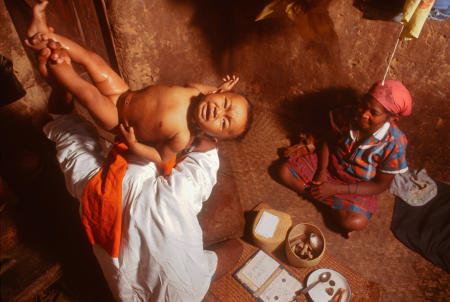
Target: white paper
<point>260,268</point>
<point>267,225</point>
<point>282,288</point>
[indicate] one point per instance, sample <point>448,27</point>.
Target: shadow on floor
<point>228,24</point>
<point>309,113</point>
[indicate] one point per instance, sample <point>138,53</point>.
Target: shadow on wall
<point>309,113</point>
<point>228,24</point>
<point>379,9</point>
<point>43,213</point>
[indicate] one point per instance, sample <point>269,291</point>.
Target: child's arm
<point>228,83</point>
<point>166,153</point>
<point>202,88</point>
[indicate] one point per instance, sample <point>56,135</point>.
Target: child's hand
<point>129,137</point>
<point>228,83</point>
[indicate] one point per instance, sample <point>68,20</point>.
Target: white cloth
<point>161,251</point>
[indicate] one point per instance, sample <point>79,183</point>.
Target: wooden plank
<point>43,282</point>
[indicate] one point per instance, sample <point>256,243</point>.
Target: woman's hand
<point>320,177</point>
<point>228,83</point>
<point>322,190</point>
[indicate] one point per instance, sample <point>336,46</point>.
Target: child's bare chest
<point>157,116</point>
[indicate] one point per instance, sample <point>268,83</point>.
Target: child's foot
<point>39,21</point>
<point>38,41</point>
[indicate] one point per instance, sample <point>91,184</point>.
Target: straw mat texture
<point>230,290</point>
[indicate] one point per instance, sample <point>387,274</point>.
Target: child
<point>347,174</point>
<point>158,121</point>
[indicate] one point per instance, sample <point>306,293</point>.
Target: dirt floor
<point>291,71</point>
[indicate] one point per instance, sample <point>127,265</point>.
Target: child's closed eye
<point>224,123</point>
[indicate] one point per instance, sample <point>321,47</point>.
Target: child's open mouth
<point>208,112</point>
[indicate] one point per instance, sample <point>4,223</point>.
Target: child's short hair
<point>248,122</point>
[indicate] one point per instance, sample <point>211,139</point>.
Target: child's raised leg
<point>99,106</point>
<point>39,21</point>
<point>104,77</point>
<point>60,100</point>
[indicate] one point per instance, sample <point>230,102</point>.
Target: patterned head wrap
<point>394,96</point>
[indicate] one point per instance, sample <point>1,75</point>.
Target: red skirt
<point>304,169</point>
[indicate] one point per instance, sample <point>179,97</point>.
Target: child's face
<point>372,115</point>
<point>222,115</point>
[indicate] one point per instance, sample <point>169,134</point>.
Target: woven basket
<point>302,231</point>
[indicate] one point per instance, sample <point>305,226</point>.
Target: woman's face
<point>371,115</point>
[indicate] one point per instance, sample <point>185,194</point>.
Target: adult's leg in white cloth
<point>78,150</point>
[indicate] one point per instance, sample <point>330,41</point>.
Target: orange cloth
<point>166,168</point>
<point>102,202</point>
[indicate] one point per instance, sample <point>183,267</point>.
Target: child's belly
<point>155,113</point>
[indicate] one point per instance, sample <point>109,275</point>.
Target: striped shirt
<point>384,150</point>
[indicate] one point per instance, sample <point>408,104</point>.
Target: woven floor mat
<point>373,252</point>
<point>229,289</point>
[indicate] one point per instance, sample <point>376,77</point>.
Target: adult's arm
<point>78,150</point>
<point>326,189</point>
<point>322,165</point>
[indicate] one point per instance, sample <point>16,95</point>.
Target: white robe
<point>161,250</point>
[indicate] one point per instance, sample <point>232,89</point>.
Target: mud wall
<point>333,44</point>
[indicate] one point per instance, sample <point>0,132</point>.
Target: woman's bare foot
<point>39,22</point>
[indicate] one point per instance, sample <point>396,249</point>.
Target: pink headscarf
<point>394,96</point>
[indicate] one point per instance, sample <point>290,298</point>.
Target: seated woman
<point>348,172</point>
